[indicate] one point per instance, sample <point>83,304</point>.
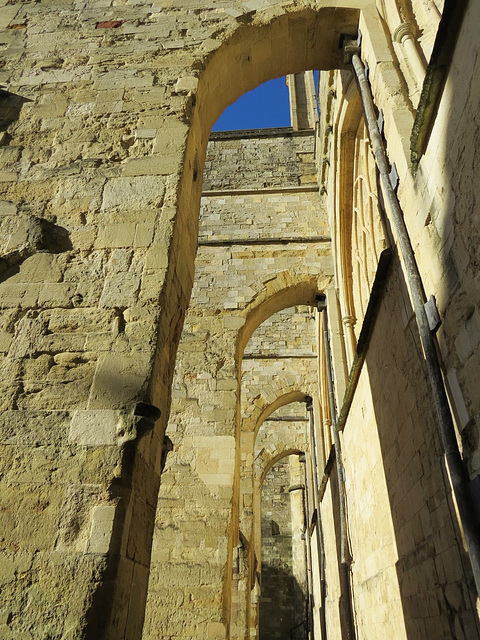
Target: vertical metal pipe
<point>345,558</point>
<point>456,468</point>
<point>308,551</point>
<point>319,525</point>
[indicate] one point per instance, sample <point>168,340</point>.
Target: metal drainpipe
<point>345,557</point>
<point>456,468</point>
<point>308,551</point>
<point>320,542</point>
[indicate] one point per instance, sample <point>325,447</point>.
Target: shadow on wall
<point>10,107</point>
<point>26,234</point>
<point>435,580</point>
<point>454,222</point>
<point>282,604</point>
<point>434,576</point>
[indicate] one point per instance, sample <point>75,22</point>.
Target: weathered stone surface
<point>133,193</point>
<point>105,113</point>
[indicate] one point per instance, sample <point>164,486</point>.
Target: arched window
<point>367,234</point>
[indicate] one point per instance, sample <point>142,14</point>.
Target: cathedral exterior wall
<point>104,123</point>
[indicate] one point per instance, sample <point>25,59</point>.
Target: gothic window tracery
<point>367,236</point>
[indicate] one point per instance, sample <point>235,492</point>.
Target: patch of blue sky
<point>265,107</point>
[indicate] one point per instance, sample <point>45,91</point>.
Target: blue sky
<point>266,106</point>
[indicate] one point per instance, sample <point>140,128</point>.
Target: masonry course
<point>105,115</point>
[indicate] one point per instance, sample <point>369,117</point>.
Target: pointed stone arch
<point>269,460</point>
<point>267,406</point>
<point>286,289</point>
<point>273,43</point>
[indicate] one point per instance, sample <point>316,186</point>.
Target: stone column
<point>297,498</point>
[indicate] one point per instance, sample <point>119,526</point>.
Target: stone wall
<point>104,123</point>
<point>286,429</point>
<point>280,355</point>
<point>276,159</point>
<point>198,487</point>
<point>281,595</point>
<point>398,489</point>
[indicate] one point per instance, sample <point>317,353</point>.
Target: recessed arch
<point>280,511</point>
<point>279,456</point>
<point>262,412</point>
<point>345,128</point>
<point>259,47</point>
<point>282,291</point>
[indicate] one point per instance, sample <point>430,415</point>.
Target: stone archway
<point>282,568</point>
<point>94,316</point>
<point>102,158</point>
<point>204,467</point>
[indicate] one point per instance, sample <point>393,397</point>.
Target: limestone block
<point>27,336</point>
<point>157,256</point>
<point>116,235</point>
<point>233,322</point>
<point>226,385</point>
<point>141,314</point>
<point>120,290</point>
<point>11,564</point>
<point>42,267</point>
<point>57,294</point>
<point>133,193</point>
<point>145,133</point>
<point>216,631</point>
<point>171,132</point>
<point>31,516</point>
<point>81,320</point>
<point>187,84</point>
<point>101,529</point>
<point>119,379</point>
<point>108,107</point>
<point>153,165</point>
<point>7,208</point>
<point>144,233</point>
<point>8,176</point>
<point>84,238</point>
<point>5,341</point>
<point>95,427</point>
<point>9,156</point>
<point>52,106</point>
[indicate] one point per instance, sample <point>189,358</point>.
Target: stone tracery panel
<point>367,232</point>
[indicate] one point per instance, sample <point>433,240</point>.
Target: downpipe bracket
<point>350,48</point>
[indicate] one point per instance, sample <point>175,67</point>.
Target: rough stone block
<point>133,193</point>
<point>187,84</point>
<point>99,540</point>
<point>154,165</point>
<point>95,427</point>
